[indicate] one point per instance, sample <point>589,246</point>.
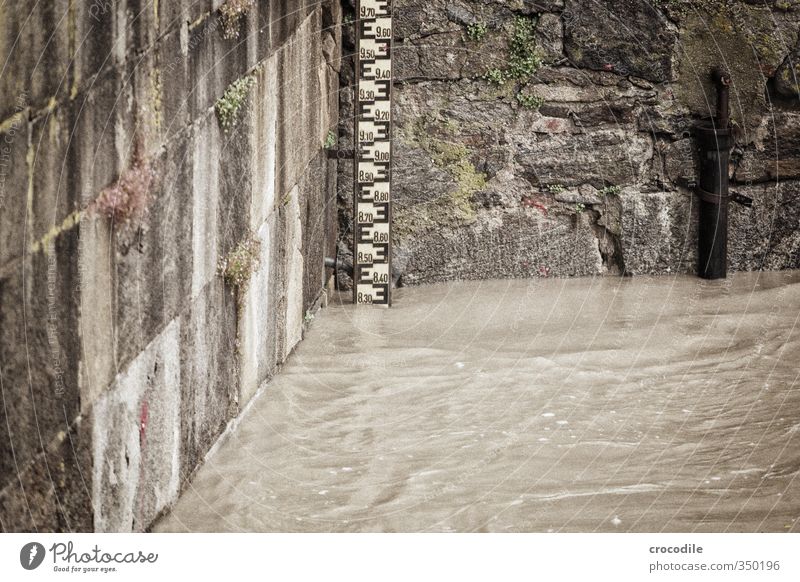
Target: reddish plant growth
<point>128,196</point>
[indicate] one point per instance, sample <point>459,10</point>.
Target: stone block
<point>216,61</point>
<point>256,336</point>
<point>56,186</point>
<point>205,204</point>
<point>171,88</point>
<point>625,36</point>
<point>658,232</point>
<point>15,238</point>
<point>98,328</point>
<point>766,236</point>
<point>209,383</point>
<point>283,20</point>
<point>314,213</point>
<point>100,137</point>
<point>292,116</point>
<point>521,244</point>
<point>775,152</point>
<point>264,154</point>
<point>34,47</point>
<point>295,267</point>
<point>279,266</point>
<point>136,439</point>
<point>52,492</point>
<point>601,157</point>
<point>153,255</point>
<point>236,179</point>
<point>39,351</point>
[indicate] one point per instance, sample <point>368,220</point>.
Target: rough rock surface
<point>124,352</point>
<point>542,138</point>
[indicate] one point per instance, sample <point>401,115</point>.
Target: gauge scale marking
<point>373,154</point>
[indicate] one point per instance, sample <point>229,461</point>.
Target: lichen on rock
<point>455,207</point>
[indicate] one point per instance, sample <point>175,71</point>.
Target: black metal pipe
<point>339,265</point>
<point>716,141</point>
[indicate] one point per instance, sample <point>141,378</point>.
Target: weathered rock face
<point>537,138</point>
<point>628,37</point>
<point>133,166</point>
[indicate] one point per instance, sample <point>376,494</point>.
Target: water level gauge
<point>373,154</point>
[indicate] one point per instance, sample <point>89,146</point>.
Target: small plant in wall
<point>555,188</point>
<point>495,76</point>
<point>530,101</point>
<point>330,140</point>
<point>231,13</point>
<point>580,207</point>
<point>227,107</point>
<point>524,60</point>
<point>609,190</point>
<point>237,267</point>
<point>127,198</point>
<point>476,31</point>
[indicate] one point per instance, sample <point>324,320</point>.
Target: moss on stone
<point>456,208</point>
<point>476,31</point>
<point>524,60</point>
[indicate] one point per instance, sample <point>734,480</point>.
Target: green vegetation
<point>523,62</point>
<point>495,77</point>
<point>456,206</point>
<point>530,101</point>
<point>454,158</point>
<point>227,106</point>
<point>524,59</point>
<point>477,31</point>
<point>580,207</point>
<point>609,190</point>
<point>330,140</point>
<point>555,188</point>
<point>240,264</point>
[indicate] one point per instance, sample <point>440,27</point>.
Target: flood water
<point>607,404</point>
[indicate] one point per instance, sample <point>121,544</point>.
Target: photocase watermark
<point>53,321</point>
<point>99,8</point>
<point>191,43</point>
<point>66,558</point>
<point>31,555</point>
<point>7,141</point>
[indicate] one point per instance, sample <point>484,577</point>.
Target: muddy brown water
<point>644,404</point>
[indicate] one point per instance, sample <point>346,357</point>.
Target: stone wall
<point>124,352</point>
<point>553,138</point>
